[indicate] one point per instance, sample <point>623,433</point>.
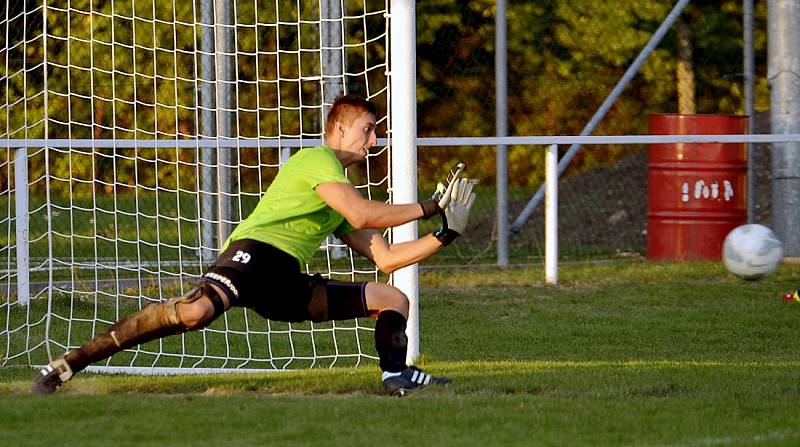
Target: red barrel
<point>696,193</point>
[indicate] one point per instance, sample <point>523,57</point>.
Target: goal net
<point>138,134</point>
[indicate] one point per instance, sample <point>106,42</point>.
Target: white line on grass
<point>727,440</point>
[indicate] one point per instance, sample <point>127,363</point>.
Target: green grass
<point>632,353</point>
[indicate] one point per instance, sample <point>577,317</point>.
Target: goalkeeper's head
<point>345,109</point>
<point>350,127</point>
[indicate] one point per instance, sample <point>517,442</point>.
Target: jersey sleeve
<point>322,167</point>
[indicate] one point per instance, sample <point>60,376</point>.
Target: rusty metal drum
<point>697,193</point>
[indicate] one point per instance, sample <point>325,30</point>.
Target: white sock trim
<point>65,372</point>
<point>387,375</point>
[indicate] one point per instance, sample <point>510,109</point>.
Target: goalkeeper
<point>260,265</point>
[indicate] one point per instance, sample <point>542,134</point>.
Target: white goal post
<point>134,135</point>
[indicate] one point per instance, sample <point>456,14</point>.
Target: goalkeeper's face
<point>358,136</point>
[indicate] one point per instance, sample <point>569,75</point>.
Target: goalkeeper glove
<point>441,197</point>
<point>454,220</point>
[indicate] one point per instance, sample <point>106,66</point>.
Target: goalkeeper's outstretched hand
<point>456,214</point>
<point>441,197</point>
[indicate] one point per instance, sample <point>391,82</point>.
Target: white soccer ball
<point>752,252</point>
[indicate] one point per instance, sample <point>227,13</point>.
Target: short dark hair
<point>347,108</point>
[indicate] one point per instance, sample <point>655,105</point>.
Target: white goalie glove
<point>456,213</point>
<point>442,196</point>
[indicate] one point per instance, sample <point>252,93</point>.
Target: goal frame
<point>402,182</point>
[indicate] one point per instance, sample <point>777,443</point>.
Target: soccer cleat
<point>400,383</point>
<point>50,378</point>
<point>792,296</point>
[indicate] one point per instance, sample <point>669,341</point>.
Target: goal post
<point>404,161</point>
<point>137,134</point>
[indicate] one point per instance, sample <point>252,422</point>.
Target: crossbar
<point>530,140</point>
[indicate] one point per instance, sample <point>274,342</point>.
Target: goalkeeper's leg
<point>195,310</point>
<point>390,305</point>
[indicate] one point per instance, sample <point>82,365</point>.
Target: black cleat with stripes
<point>399,384</point>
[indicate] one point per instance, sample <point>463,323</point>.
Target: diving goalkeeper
<point>260,265</point>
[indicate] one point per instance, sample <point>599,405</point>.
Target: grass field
<point>635,353</point>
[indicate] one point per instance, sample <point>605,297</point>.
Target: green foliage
<point>135,74</point>
<point>126,69</point>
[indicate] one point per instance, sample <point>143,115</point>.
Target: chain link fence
<point>564,58</point>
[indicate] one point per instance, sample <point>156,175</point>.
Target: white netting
<point>171,119</point>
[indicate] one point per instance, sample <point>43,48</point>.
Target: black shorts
<point>269,281</point>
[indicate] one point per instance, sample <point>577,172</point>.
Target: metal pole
<point>22,225</point>
<point>749,106</point>
<point>605,107</point>
<point>551,215</point>
<point>332,54</point>
<point>224,28</point>
<point>208,129</point>
<point>332,77</point>
<point>501,126</point>
<point>402,69</point>
<point>784,79</point>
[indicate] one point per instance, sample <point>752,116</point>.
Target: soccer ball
<point>752,252</point>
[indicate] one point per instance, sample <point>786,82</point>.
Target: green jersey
<point>291,216</point>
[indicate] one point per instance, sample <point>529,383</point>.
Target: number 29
<point>242,257</point>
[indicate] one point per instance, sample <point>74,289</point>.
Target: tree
<point>564,58</point>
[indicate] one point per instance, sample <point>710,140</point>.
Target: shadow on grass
<point>547,379</point>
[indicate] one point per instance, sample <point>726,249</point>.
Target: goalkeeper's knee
<point>176,316</point>
<point>182,314</point>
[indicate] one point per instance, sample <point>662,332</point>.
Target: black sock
<point>391,341</point>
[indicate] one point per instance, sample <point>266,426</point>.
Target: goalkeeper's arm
<point>390,257</point>
<point>363,213</point>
